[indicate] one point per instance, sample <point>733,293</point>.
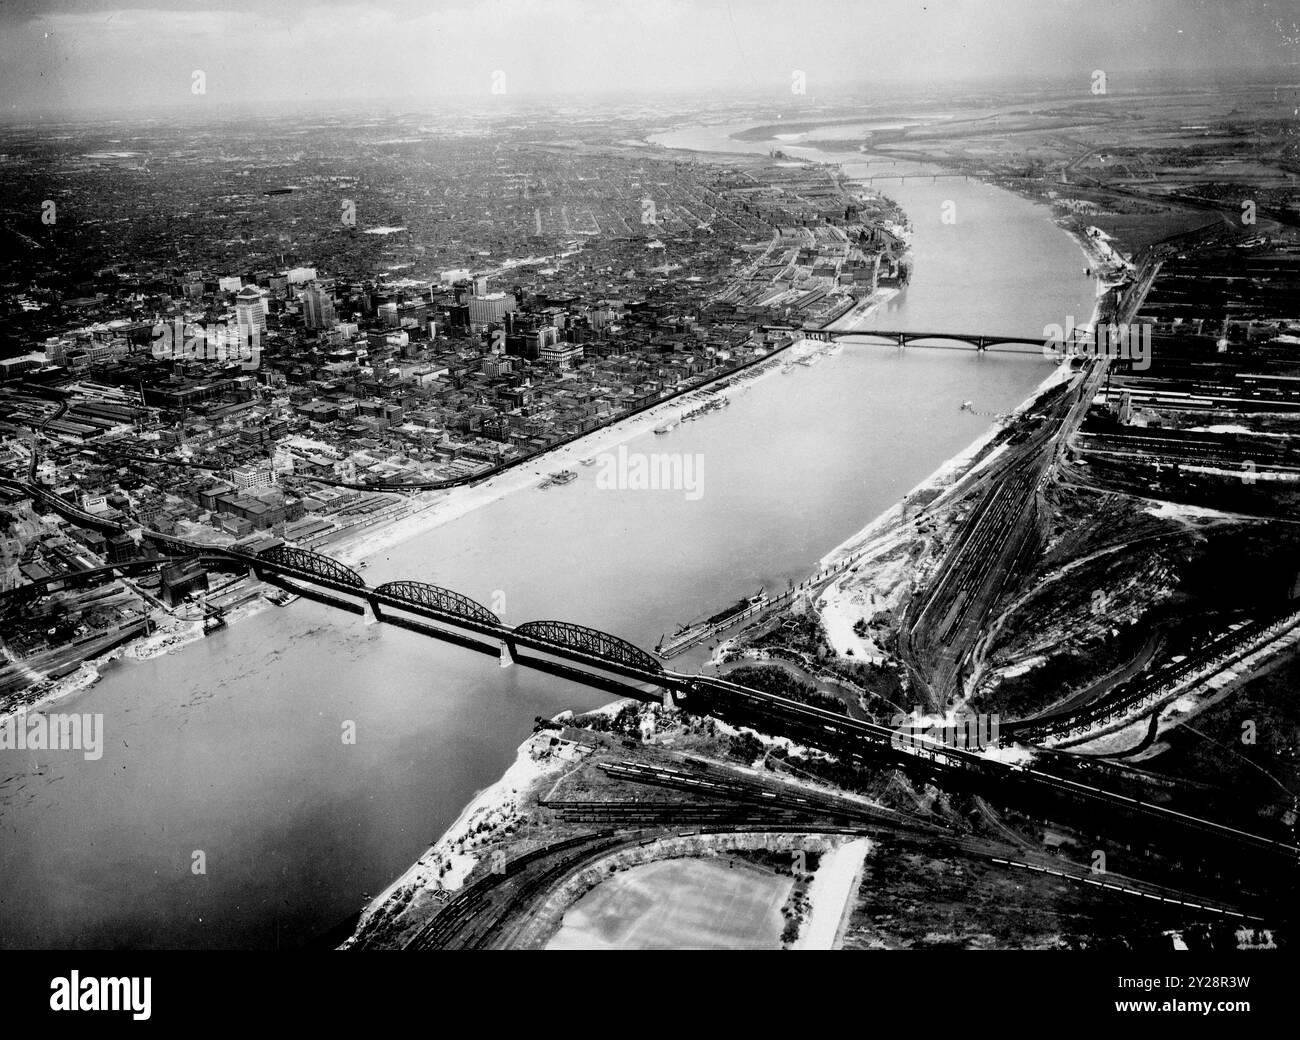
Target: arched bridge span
<point>433,597</point>
<point>311,563</point>
<point>590,641</point>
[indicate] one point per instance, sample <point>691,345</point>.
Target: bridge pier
<point>374,609</point>
<point>507,656</point>
<point>370,612</point>
<point>676,697</point>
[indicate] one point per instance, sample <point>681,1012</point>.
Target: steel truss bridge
<point>319,577</point>
<point>595,658</point>
<point>599,659</point>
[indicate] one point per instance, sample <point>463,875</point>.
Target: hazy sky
<point>88,53</point>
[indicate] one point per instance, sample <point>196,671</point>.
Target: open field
<point>683,904</point>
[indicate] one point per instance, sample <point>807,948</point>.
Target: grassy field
<point>679,904</point>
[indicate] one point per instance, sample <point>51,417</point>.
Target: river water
<point>233,746</point>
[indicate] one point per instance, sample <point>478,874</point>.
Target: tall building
<point>56,350</point>
<point>317,308</point>
<point>255,475</point>
<point>250,311</point>
<point>484,310</point>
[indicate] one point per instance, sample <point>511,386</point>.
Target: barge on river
<point>697,632</point>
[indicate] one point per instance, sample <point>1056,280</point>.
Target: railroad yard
<point>646,785</point>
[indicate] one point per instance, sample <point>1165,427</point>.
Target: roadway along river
<point>233,746</point>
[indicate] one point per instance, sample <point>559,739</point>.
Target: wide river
<point>232,746</point>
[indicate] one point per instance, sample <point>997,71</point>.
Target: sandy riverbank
<point>539,762</point>
<point>877,568</point>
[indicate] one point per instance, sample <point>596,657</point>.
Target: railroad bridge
<point>415,604</point>
<point>580,649</point>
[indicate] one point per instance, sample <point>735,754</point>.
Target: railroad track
<point>464,907</point>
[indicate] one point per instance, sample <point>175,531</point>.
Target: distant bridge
<point>903,338</point>
<point>932,177</point>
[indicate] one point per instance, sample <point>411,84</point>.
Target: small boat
<point>564,476</point>
<point>712,404</point>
